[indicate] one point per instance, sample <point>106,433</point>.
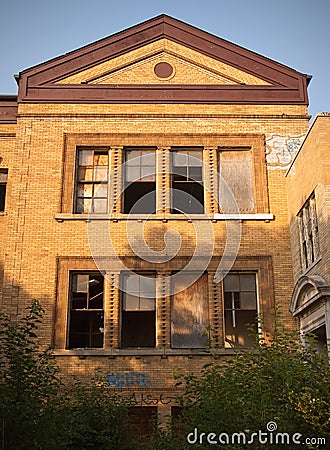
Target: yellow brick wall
<point>34,239</point>
<point>311,172</point>
<point>7,161</point>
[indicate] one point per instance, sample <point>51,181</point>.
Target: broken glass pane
<point>100,159</point>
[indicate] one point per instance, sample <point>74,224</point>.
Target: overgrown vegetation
<point>278,381</point>
<point>37,411</point>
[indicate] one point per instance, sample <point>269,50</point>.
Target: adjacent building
<point>143,203</point>
<point>308,181</point>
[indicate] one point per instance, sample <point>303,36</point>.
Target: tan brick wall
<point>311,172</point>
<point>7,161</point>
<point>34,240</point>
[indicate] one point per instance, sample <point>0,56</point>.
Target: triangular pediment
<point>186,66</point>
<point>162,60</point>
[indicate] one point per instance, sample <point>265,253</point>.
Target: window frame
<point>116,142</point>
<point>72,310</point>
<point>227,149</point>
<point>308,232</point>
<point>141,181</point>
<point>234,310</point>
<point>93,184</point>
<point>190,182</point>
<point>202,338</point>
<point>148,314</point>
<point>3,188</point>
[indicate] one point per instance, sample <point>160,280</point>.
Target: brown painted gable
<point>38,84</point>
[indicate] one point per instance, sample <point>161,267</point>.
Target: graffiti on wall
<point>281,150</point>
<point>141,399</point>
<point>128,379</point>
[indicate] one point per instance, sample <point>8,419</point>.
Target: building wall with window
<point>8,128</point>
<point>308,197</point>
<point>117,220</point>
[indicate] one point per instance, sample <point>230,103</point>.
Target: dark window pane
<point>180,173</point>
<point>138,329</point>
<point>2,197</point>
<point>187,198</point>
<point>195,173</point>
<point>140,198</point>
<point>79,300</point>
<point>86,322</point>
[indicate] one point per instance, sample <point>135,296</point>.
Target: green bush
<point>37,411</point>
<point>278,381</point>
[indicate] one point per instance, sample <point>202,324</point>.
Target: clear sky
<point>292,32</point>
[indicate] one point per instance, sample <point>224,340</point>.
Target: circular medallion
<point>163,70</point>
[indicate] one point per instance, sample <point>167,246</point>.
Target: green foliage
<point>90,417</point>
<point>28,379</point>
<point>279,380</point>
<point>37,411</point>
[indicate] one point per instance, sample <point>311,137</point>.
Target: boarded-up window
<point>240,298</point>
<point>92,181</point>
<point>189,311</point>
<point>235,168</point>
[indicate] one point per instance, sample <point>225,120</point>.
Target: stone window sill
<point>61,217</point>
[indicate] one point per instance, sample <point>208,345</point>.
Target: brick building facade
<point>143,202</point>
<point>308,182</point>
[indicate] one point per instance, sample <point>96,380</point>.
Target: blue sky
<point>292,32</point>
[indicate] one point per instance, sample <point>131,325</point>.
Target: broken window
<point>140,181</point>
<point>3,188</point>
<point>235,169</point>
<point>240,298</point>
<point>86,321</point>
<point>187,181</point>
<point>138,327</point>
<point>92,181</point>
<point>309,232</point>
<point>189,314</point>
